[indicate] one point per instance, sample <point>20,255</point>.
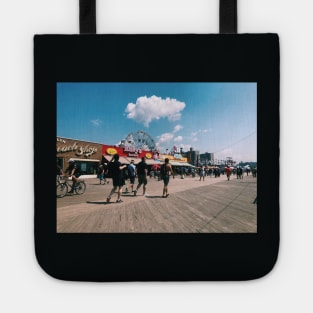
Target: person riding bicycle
<point>74,172</point>
<point>59,172</point>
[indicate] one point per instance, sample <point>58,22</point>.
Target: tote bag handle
<point>227,18</point>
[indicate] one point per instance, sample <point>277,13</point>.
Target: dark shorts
<point>166,179</point>
<point>77,175</point>
<point>142,179</point>
<point>132,179</point>
<point>118,181</point>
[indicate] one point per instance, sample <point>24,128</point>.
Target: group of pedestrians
<point>116,169</point>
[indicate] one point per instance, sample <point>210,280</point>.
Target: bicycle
<point>63,187</point>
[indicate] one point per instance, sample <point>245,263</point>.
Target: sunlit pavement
<point>214,205</point>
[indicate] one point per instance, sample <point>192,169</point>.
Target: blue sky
<point>219,118</point>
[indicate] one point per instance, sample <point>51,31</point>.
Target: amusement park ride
<point>139,140</point>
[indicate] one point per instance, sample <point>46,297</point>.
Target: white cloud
<point>168,138</point>
<point>96,123</point>
<point>177,128</point>
<point>196,134</point>
<point>178,138</point>
<point>165,138</point>
<point>185,147</point>
<point>148,109</point>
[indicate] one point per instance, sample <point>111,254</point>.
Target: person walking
<point>228,172</point>
<point>132,174</point>
<point>239,172</point>
<point>105,173</point>
<point>101,174</point>
<point>202,173</point>
<point>116,169</point>
<point>142,171</point>
<point>166,171</point>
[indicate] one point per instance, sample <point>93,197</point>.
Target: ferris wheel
<point>140,140</point>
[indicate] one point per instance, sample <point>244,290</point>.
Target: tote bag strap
<point>227,18</point>
<point>87,16</point>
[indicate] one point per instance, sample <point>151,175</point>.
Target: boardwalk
<point>211,206</point>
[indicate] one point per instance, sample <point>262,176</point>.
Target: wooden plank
<point>215,205</point>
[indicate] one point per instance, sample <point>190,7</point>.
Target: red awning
<point>121,159</point>
<point>127,160</point>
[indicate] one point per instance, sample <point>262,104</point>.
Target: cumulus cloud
<point>167,141</point>
<point>178,138</point>
<point>177,128</point>
<point>165,138</point>
<point>145,110</point>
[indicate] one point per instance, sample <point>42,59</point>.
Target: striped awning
<point>180,164</point>
<point>152,162</point>
<point>121,159</point>
<point>127,160</point>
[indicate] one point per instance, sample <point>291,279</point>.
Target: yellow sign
<point>148,155</point>
<point>164,156</point>
<point>111,151</point>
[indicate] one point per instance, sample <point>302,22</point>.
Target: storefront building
<point>152,158</point>
<point>90,155</point>
<point>128,153</point>
<point>87,154</point>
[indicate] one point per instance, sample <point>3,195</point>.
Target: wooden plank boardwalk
<point>211,206</point>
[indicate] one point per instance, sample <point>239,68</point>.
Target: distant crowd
<point>120,173</point>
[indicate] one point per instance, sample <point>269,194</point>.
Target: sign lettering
<point>79,150</point>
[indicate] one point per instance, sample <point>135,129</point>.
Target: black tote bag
<point>207,104</point>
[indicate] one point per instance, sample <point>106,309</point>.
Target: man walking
<point>166,173</point>
<point>228,172</point>
<point>132,174</point>
<point>202,173</point>
<point>142,171</point>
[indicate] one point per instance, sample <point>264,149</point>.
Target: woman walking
<point>116,170</point>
